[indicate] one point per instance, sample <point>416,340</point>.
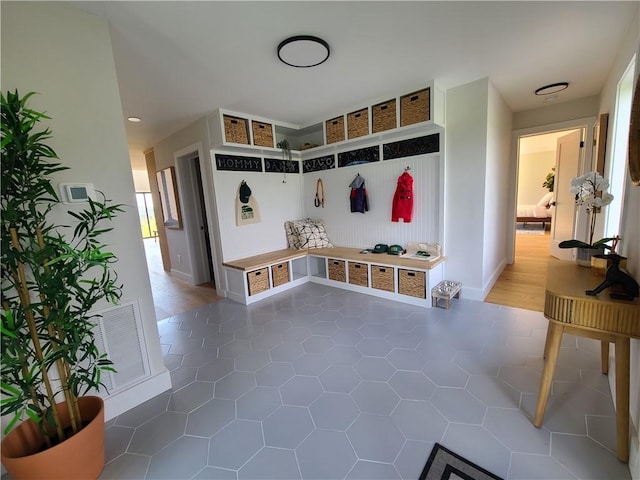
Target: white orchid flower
<point>584,188</point>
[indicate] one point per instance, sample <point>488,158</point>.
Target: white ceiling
<point>178,61</point>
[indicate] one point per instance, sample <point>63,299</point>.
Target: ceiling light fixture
<point>552,88</point>
<point>303,51</point>
<point>134,119</point>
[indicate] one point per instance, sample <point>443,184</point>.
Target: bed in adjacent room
<point>542,212</point>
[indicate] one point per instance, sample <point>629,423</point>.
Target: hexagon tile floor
<point>322,383</point>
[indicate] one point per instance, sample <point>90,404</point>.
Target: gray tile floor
<point>324,383</point>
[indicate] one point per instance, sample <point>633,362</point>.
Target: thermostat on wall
<point>76,192</point>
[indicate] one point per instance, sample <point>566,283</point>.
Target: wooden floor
<point>170,295</point>
<point>522,283</point>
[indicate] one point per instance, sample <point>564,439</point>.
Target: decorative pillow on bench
<point>307,233</point>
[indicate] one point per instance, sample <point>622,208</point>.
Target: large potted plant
<point>53,276</point>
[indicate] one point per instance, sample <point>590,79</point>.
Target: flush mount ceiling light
<point>134,119</point>
<point>552,88</point>
<point>303,51</point>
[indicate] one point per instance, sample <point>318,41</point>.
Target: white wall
<point>65,55</point>
<point>532,172</point>
<point>179,247</point>
<point>277,202</point>
<point>375,226</point>
<point>141,181</point>
<point>465,177</point>
<point>581,108</point>
<point>496,205</point>
<point>630,231</point>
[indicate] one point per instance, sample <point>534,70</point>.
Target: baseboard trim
<point>185,277</point>
<point>124,400</point>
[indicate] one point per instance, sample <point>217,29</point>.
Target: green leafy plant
<point>53,276</point>
<point>550,180</point>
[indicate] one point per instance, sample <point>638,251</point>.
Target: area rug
<point>530,229</point>
<point>443,464</point>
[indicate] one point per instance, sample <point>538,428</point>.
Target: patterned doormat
<point>443,464</point>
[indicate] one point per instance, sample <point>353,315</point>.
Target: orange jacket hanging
<point>403,199</point>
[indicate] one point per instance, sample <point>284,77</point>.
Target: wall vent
<point>119,333</point>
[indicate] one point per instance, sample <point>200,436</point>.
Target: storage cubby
<point>262,134</point>
<point>415,107</point>
<point>251,279</point>
<point>279,273</point>
<point>335,130</point>
<point>258,281</point>
<point>382,278</point>
<point>317,267</point>
<point>383,116</point>
<point>337,270</point>
<point>358,123</point>
<point>236,129</point>
<point>358,274</point>
<point>299,268</point>
<point>403,115</point>
<point>412,283</point>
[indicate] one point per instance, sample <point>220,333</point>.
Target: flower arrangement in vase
<point>589,192</point>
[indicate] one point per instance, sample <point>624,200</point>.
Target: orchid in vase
<point>586,188</point>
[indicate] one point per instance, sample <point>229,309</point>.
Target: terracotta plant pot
<point>78,457</point>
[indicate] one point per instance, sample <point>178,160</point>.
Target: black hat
<point>245,192</point>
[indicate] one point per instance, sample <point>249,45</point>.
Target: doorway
<point>546,164</point>
<point>522,282</point>
<point>171,295</point>
<point>191,174</point>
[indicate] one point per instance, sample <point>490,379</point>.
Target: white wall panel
<point>375,226</point>
<point>277,202</point>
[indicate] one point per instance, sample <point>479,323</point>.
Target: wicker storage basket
<point>358,274</point>
<point>337,270</point>
<point>382,278</point>
<point>236,130</point>
<point>414,108</point>
<point>335,130</point>
<point>412,283</point>
<point>280,273</point>
<point>258,281</point>
<point>262,134</point>
<point>383,116</point>
<point>358,123</point>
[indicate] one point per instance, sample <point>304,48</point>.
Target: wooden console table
<point>570,310</point>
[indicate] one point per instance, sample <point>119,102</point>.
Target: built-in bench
<point>394,277</point>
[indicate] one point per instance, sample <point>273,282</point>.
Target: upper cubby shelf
<point>382,118</point>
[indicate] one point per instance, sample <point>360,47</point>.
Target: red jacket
<point>403,199</point>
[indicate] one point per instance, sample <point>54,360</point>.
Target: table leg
<point>551,348</point>
<point>622,397</point>
<point>546,341</point>
<point>604,356</point>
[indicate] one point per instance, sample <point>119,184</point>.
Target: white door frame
<point>585,122</point>
<point>191,216</point>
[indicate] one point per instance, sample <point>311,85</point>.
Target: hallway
<point>522,283</point>
<point>170,295</point>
